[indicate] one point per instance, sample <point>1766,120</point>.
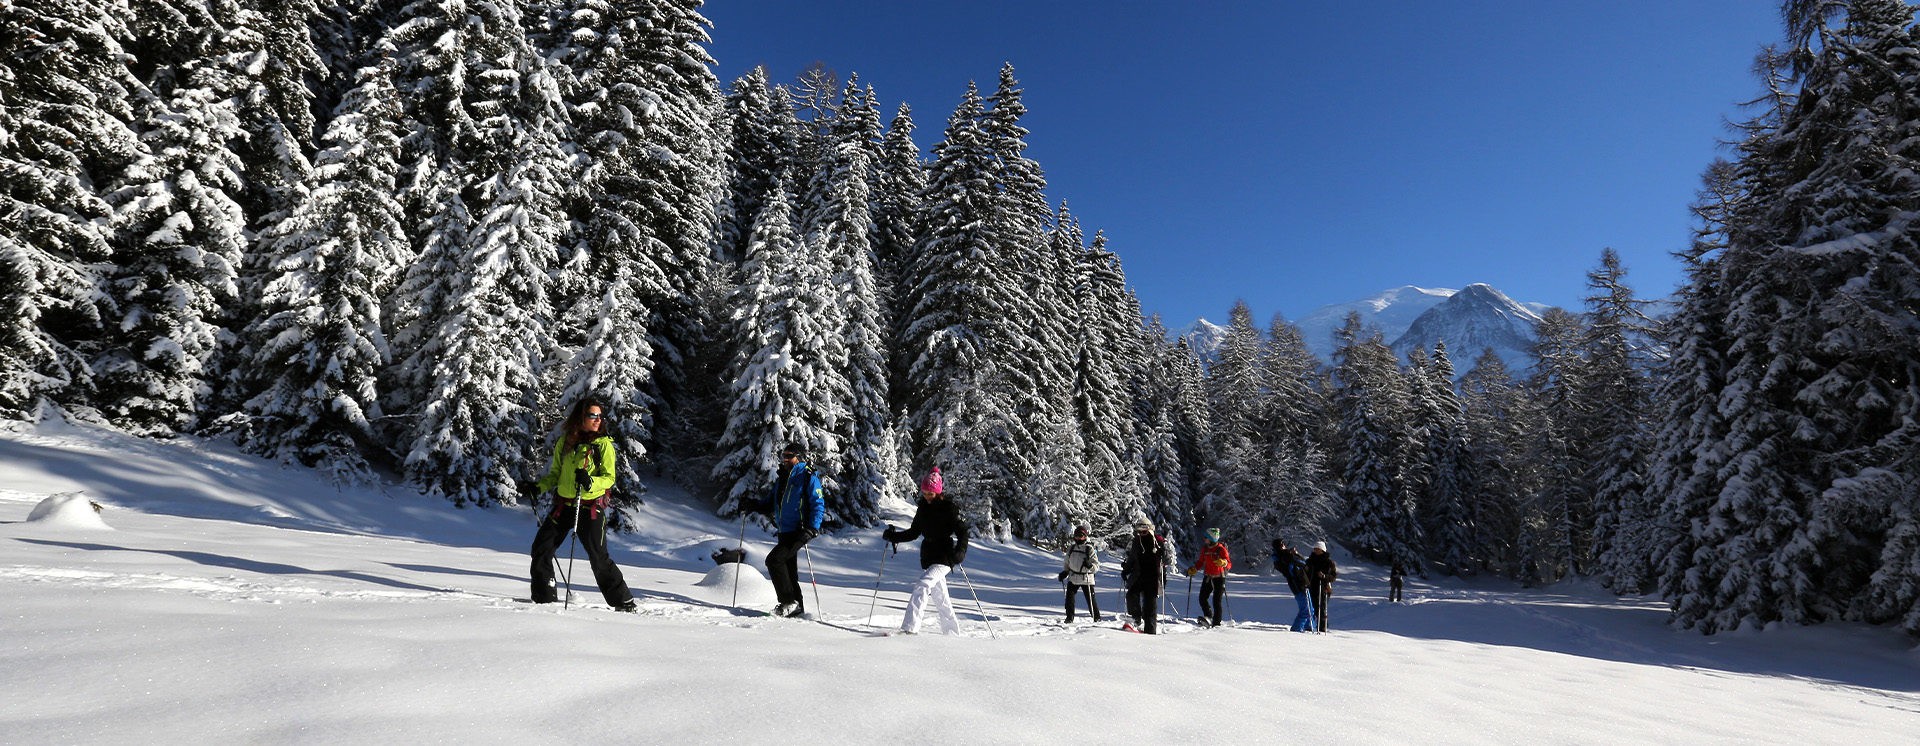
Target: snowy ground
<point>218,598</point>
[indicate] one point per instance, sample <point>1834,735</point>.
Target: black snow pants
<point>1213,598</point>
<point>1093,606</point>
<point>593,538</point>
<point>783,567</point>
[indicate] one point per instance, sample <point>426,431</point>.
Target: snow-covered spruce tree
<point>1034,356</point>
<point>897,182</point>
<point>1614,433</point>
<point>1819,267</point>
<point>1500,420</point>
<point>1111,358</point>
<point>1447,483</point>
<point>1371,402</point>
<point>959,327</point>
<point>837,227</point>
<point>1294,411</point>
<point>316,349</point>
<point>179,238</point>
<point>682,175</point>
<point>479,334</point>
<point>762,141</point>
<point>1233,498</point>
<point>63,128</point>
<point>777,371</point>
<point>638,207</point>
<point>1564,503</point>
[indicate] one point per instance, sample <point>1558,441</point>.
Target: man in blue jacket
<point>797,506</point>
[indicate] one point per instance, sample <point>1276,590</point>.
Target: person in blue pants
<point>1294,568</point>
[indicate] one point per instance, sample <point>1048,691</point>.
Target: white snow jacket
<point>1082,562</point>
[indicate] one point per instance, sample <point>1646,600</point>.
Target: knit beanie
<point>1143,525</point>
<point>1320,545</point>
<point>932,484</point>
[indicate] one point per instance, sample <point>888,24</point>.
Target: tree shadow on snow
<point>248,565</point>
<point>1634,631</point>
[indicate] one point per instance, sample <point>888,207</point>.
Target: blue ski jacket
<point>804,504</point>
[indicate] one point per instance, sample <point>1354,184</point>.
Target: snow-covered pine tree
<point>956,329</point>
<point>777,338</point>
<point>316,349</point>
<point>1821,365</point>
<point>1500,419</point>
<point>1614,433</point>
<point>681,175</point>
<point>898,181</point>
<point>1447,485</point>
<point>1032,354</point>
<point>179,238</point>
<point>762,141</point>
<point>1371,402</point>
<point>1112,357</point>
<point>63,128</point>
<point>838,229</point>
<point>634,208</point>
<point>1233,498</point>
<point>479,343</point>
<point>1564,503</point>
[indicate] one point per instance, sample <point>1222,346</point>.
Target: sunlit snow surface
<point>237,601</point>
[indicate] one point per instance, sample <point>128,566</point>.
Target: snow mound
<point>68,510</point>
<point>755,588</point>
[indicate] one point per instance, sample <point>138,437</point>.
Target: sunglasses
<point>596,417</point>
<point>789,455</point>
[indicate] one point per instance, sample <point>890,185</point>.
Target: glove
<point>889,534</point>
<point>1189,571</point>
<point>1063,576</point>
<point>809,533</point>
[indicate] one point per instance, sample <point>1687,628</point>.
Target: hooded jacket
<point>801,505</point>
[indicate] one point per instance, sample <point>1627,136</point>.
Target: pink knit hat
<point>932,484</point>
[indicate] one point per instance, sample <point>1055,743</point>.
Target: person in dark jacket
<point>798,506</point>
<point>1320,575</point>
<point>1145,574</point>
<point>943,546</point>
<point>1395,579</point>
<point>581,474</point>
<point>1293,567</point>
<point>1082,562</point>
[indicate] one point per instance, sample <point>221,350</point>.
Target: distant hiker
<point>1145,574</point>
<point>581,475</point>
<point>1394,581</point>
<point>1082,562</point>
<point>797,506</point>
<point>1293,567</point>
<point>1320,575</point>
<point>1215,561</point>
<point>943,546</point>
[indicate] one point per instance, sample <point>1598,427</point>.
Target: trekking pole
<point>571,543</point>
<point>976,602</point>
<point>1189,593</point>
<point>740,546</point>
<point>876,584</point>
<point>815,579</point>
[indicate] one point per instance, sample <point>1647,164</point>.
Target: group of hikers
<point>581,477</point>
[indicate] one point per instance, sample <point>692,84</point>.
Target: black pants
<point>1213,598</point>
<point>593,538</point>
<point>1393,589</point>
<point>1320,594</point>
<point>783,567</point>
<point>1092,605</point>
<point>1143,604</point>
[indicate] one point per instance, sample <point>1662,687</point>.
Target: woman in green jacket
<point>580,477</point>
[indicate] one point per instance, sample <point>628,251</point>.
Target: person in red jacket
<point>1215,561</point>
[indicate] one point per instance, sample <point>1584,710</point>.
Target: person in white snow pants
<point>943,547</point>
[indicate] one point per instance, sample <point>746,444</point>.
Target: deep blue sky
<point>1299,154</point>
